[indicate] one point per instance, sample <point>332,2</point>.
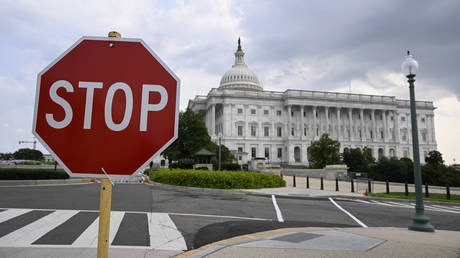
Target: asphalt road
<point>201,217</point>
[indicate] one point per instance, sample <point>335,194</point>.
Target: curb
<point>244,192</point>
<point>12,183</point>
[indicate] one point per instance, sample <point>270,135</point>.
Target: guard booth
<point>203,159</point>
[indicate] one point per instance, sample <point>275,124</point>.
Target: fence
<point>361,185</point>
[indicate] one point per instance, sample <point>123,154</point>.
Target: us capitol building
<point>280,126</point>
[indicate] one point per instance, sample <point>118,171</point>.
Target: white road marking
<point>89,237</point>
<point>349,214</point>
<point>216,216</point>
<point>164,234</point>
<point>26,235</point>
<point>358,200</point>
<point>11,213</point>
<point>446,207</point>
<point>277,209</point>
<point>412,205</point>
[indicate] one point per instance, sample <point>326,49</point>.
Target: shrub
<point>183,164</point>
<point>230,166</point>
<point>31,174</point>
<point>217,179</point>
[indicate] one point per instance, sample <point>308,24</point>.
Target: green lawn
<point>433,196</point>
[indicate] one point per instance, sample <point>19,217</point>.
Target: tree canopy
<point>357,160</point>
<point>434,159</point>
<point>192,137</point>
<point>28,154</point>
<point>324,151</point>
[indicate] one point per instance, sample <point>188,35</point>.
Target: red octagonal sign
<point>106,103</point>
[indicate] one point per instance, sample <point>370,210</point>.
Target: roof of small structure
<point>204,152</point>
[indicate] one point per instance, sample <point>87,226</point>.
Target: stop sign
<point>106,103</point>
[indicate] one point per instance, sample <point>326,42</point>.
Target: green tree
<point>192,137</point>
<point>6,156</point>
<point>356,160</point>
<point>392,169</point>
<point>324,151</point>
<point>28,154</point>
<point>434,159</point>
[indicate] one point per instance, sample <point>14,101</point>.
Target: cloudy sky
<point>305,45</point>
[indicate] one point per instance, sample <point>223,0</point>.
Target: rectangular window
<point>266,112</point>
<point>279,131</point>
<point>404,136</point>
<point>267,153</point>
<point>304,131</point>
<point>381,134</point>
<point>253,152</point>
<point>304,114</point>
<point>423,120</point>
<point>292,113</point>
<point>266,130</point>
<point>240,149</point>
<point>292,131</point>
<point>278,112</point>
<point>240,111</point>
<point>253,111</point>
<point>403,119</point>
<point>280,152</point>
<point>424,137</point>
<point>240,130</point>
<point>253,130</point>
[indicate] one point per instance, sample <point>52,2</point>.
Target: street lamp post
<point>420,222</point>
<point>220,151</point>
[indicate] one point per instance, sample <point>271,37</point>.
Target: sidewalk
<point>335,242</point>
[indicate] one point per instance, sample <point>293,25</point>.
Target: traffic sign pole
<point>104,218</point>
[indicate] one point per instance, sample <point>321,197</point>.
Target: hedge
<point>31,174</point>
<point>217,179</point>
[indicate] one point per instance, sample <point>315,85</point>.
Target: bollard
<point>352,186</point>
<point>447,192</point>
<point>336,184</point>
<point>322,184</point>
<point>369,185</point>
<point>406,189</point>
<point>308,182</point>
<point>427,194</point>
<point>293,180</point>
<point>388,187</point>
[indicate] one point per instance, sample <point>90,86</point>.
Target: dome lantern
<point>240,76</point>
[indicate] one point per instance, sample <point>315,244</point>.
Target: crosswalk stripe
<point>445,207</point>
<point>11,213</point>
<point>164,234</point>
<point>89,237</point>
<point>30,233</point>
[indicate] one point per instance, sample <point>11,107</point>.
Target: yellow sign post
<point>104,218</point>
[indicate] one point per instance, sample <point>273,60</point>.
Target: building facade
<point>280,126</point>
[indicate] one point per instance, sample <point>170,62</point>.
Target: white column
<point>363,129</point>
<point>289,121</point>
<point>213,119</point>
<point>314,122</point>
<point>339,124</point>
<point>302,121</point>
<point>385,127</point>
<point>350,123</point>
<point>373,124</point>
<point>326,112</point>
<point>396,127</point>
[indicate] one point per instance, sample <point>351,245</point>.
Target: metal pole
<point>322,184</point>
<point>293,180</point>
<point>406,189</point>
<point>352,186</point>
<point>369,186</point>
<point>308,182</point>
<point>447,192</point>
<point>388,187</point>
<point>220,153</point>
<point>420,222</point>
<point>427,194</point>
<point>336,184</point>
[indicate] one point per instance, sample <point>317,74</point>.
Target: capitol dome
<point>240,76</point>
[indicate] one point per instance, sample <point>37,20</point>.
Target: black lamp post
<point>420,222</point>
<point>220,151</point>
